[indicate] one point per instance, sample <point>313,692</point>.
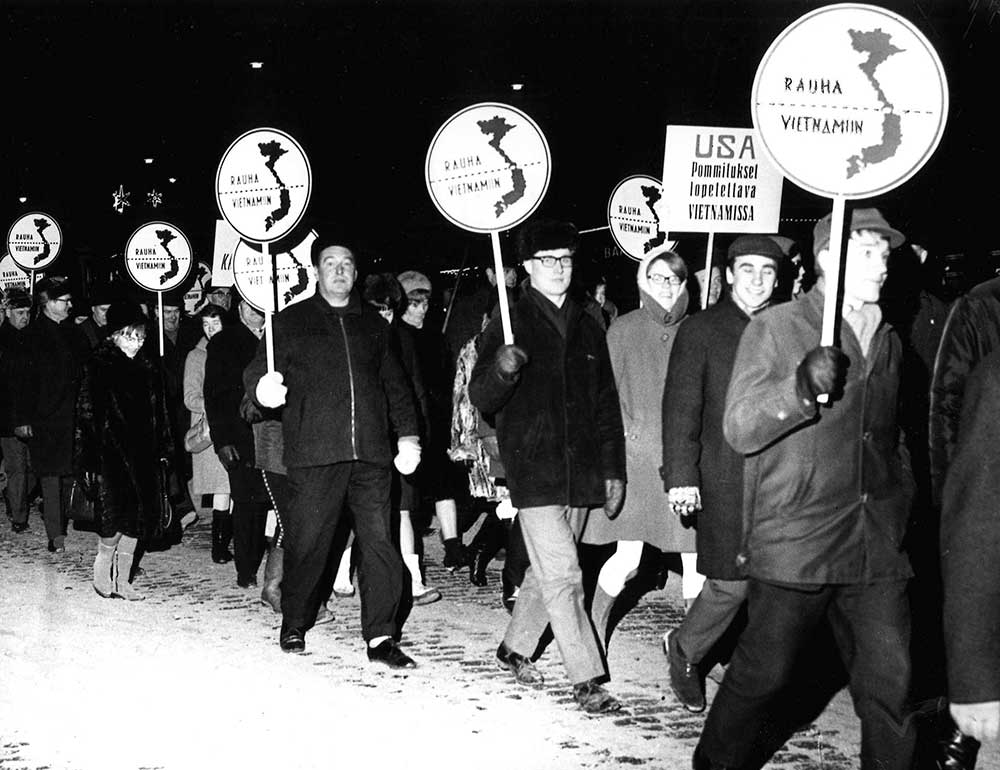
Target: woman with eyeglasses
<point>122,447</point>
<point>639,343</point>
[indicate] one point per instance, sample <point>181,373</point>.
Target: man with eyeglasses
<point>44,398</point>
<point>561,439</point>
<point>702,474</point>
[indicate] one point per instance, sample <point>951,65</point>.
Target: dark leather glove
<point>228,456</point>
<point>509,360</point>
<point>614,496</point>
<point>823,370</point>
<point>249,411</point>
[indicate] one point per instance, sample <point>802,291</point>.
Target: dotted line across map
<point>845,107</point>
<point>262,189</point>
<point>633,219</point>
<point>486,171</point>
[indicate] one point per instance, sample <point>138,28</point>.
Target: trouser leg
<point>552,592</point>
<point>315,504</point>
<point>20,479</point>
<point>516,560</point>
<point>780,621</point>
<point>52,501</point>
<point>871,624</point>
<point>249,520</point>
<point>380,567</point>
<point>711,614</point>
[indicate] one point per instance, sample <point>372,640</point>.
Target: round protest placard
<point>850,100</point>
<point>158,256</point>
<point>12,275</point>
<point>295,274</point>
<point>34,241</point>
<point>488,167</point>
<point>263,184</point>
<point>193,296</point>
<point>635,215</point>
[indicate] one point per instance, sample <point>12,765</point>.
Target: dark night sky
<point>91,89</point>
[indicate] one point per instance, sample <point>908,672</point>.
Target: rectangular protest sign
<point>226,241</point>
<point>718,180</point>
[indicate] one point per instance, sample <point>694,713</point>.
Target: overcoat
<point>208,475</point>
<point>45,390</point>
<point>695,453</point>
<point>122,432</point>
<point>558,420</point>
<point>639,343</point>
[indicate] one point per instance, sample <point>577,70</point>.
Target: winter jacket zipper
<point>350,378</point>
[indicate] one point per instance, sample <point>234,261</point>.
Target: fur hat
<point>50,288</point>
<point>17,297</point>
<point>411,280</point>
<point>122,314</point>
<point>545,235</point>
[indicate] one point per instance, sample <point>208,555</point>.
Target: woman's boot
<point>484,547</point>
<point>104,582</point>
<point>122,565</point>
<point>270,594</point>
<point>222,535</point>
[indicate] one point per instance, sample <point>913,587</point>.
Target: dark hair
<point>544,235</point>
<point>384,292</point>
<point>674,261</point>
<point>318,246</point>
<point>211,310</point>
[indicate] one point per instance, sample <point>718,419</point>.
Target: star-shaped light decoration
<point>154,198</point>
<point>121,199</point>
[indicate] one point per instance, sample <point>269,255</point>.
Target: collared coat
<point>558,421</point>
<point>970,544</point>
<point>827,490</point>
<point>695,452</point>
<point>346,385</point>
<point>640,344</point>
<point>208,475</point>
<point>45,389</point>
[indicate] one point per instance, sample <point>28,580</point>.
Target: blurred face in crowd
<point>251,316</point>
<point>752,278</point>
<point>551,271</point>
<point>58,309</point>
<point>18,316</point>
<point>416,311</point>
<point>387,313</point>
<point>129,340</point>
<point>600,294</point>
<point>221,297</point>
<point>211,326</point>
<point>509,276</point>
<point>665,285</point>
<point>337,272</point>
<point>100,314</point>
<point>171,318</point>
<point>865,269</point>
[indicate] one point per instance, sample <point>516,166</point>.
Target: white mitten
<point>270,391</point>
<point>684,500</point>
<point>408,455</point>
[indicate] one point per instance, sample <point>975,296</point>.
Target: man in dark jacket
<point>44,403</point>
<point>228,354</point>
<point>20,478</point>
<point>826,503</point>
<point>338,374</point>
<point>701,472</point>
<point>562,444</point>
<point>970,550</point>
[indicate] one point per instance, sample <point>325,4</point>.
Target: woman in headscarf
<point>639,343</point>
<point>122,447</point>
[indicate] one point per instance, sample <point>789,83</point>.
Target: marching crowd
<point>789,476</point>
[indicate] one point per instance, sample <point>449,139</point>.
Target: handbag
<point>198,439</point>
<point>81,505</point>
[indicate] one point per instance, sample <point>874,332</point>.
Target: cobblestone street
<point>193,678</point>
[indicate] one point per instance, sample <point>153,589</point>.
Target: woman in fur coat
<point>122,437</point>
